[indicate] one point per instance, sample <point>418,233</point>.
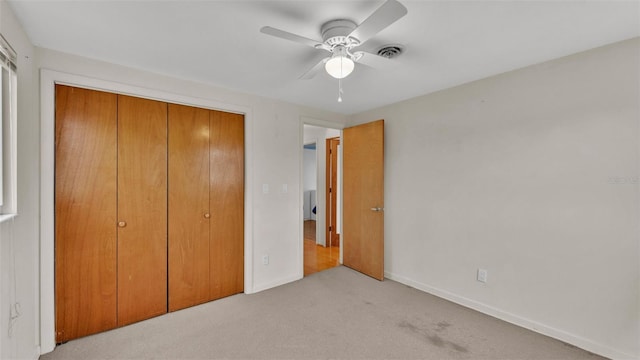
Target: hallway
<point>317,258</point>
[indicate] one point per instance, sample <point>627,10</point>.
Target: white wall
<point>532,175</point>
<point>309,169</point>
<point>19,237</point>
<point>309,179</point>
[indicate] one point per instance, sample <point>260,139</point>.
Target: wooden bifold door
<point>206,205</point>
<point>149,209</point>
<point>142,209</point>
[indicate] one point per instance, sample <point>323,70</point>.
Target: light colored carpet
<point>335,314</point>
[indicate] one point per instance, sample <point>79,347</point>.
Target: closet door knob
<point>207,215</point>
<point>122,224</point>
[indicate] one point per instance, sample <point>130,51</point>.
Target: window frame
<point>8,130</point>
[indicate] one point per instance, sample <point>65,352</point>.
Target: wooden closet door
<point>189,215</point>
<point>85,212</point>
<point>142,209</point>
<point>227,204</point>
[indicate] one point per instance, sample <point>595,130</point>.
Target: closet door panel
<point>85,212</point>
<point>142,209</point>
<point>189,214</point>
<point>227,204</point>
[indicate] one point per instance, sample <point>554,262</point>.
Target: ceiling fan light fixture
<point>341,36</point>
<point>339,66</point>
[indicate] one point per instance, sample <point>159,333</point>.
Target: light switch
<point>285,188</point>
<point>265,188</point>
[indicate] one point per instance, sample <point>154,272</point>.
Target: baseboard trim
<point>282,281</point>
<point>532,325</point>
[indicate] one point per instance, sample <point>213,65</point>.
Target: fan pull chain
<point>340,83</point>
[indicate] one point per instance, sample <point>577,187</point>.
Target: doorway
<point>320,253</point>
<point>360,181</point>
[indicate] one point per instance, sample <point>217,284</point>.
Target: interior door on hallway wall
<point>332,237</point>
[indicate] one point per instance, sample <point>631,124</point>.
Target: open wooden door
<point>363,204</point>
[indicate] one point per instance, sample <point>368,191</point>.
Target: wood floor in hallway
<point>316,257</point>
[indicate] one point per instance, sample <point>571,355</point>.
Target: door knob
<point>122,224</point>
<point>207,215</point>
<point>377,209</point>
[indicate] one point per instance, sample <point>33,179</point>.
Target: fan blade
<point>289,36</point>
<point>375,61</point>
<point>384,16</point>
<point>311,73</point>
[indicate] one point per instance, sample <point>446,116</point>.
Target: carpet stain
<point>436,340</point>
<point>368,302</point>
<point>433,339</point>
<point>441,326</point>
<point>409,326</point>
<point>458,348</point>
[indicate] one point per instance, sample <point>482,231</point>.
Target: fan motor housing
<point>335,32</point>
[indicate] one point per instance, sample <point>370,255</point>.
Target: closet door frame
<point>48,80</point>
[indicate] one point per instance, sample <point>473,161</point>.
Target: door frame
<point>304,120</point>
<point>48,80</point>
<point>329,209</point>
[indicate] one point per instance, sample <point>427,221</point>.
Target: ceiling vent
<point>390,51</point>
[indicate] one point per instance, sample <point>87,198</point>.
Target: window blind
<point>8,56</point>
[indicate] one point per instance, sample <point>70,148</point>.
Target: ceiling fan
<point>341,36</point>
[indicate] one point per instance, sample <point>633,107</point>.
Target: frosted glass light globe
<point>339,66</point>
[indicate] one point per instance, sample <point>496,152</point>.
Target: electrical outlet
<point>265,259</point>
<point>482,275</point>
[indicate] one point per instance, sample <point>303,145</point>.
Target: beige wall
<point>532,175</point>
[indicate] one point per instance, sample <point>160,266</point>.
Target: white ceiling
<point>219,42</point>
